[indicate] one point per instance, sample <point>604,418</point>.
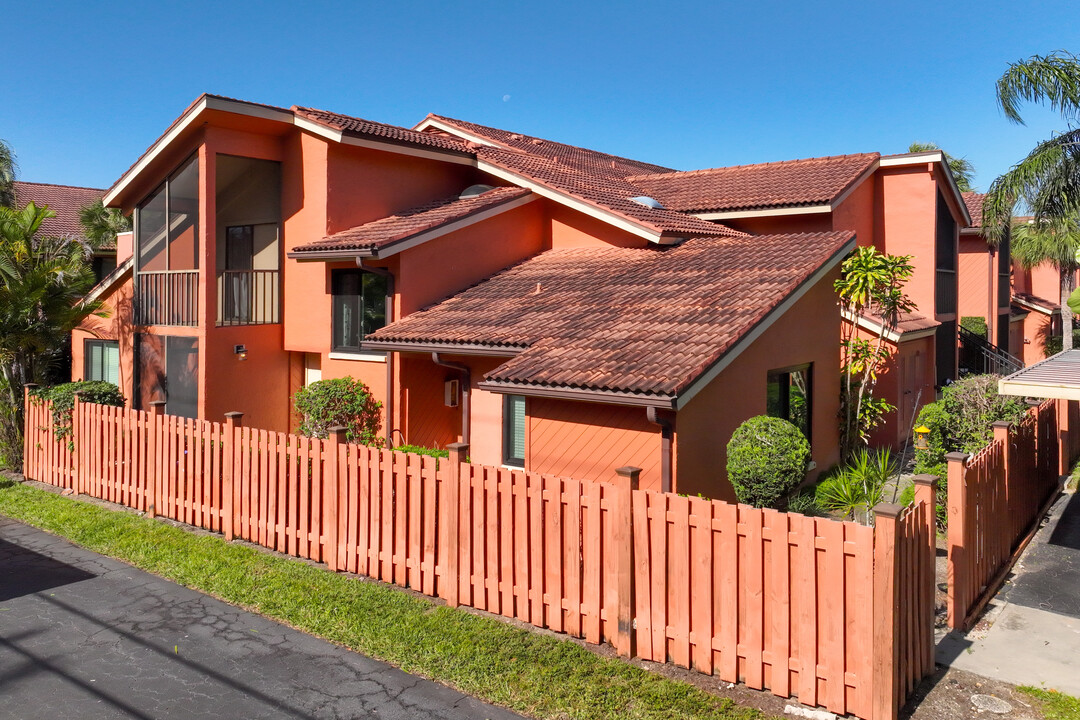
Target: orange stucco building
<point>562,310</point>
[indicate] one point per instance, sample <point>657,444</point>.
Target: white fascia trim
<point>867,324</point>
<point>154,151</point>
<point>360,356</point>
<point>1032,306</point>
<point>207,103</point>
<point>771,212</point>
<point>428,122</point>
<point>748,339</point>
<point>1039,390</point>
<point>340,137</point>
<point>572,202</point>
<point>932,156</point>
<point>919,158</point>
<point>411,242</point>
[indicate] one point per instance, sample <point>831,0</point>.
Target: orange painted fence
<point>837,614</point>
<point>998,496</point>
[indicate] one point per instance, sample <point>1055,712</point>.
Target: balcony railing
<point>249,297</point>
<point>167,297</point>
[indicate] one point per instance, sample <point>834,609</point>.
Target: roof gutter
<point>449,349</point>
<point>608,397</point>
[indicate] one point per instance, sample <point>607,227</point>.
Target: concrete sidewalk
<point>1031,633</point>
<point>84,636</point>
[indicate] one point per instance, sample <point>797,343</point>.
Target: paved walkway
<point>1033,636</point>
<point>84,636</point>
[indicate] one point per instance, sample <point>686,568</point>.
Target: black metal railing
<point>249,297</point>
<point>979,356</point>
<point>167,297</point>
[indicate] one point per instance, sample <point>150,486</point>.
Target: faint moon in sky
<point>506,98</point>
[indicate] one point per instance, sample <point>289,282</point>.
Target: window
<point>359,301</point>
<point>514,430</point>
<point>789,396</point>
<point>174,247</point>
<point>102,360</point>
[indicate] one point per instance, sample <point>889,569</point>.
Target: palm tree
<point>43,281</point>
<point>8,166</point>
<point>1056,242</point>
<point>101,224</point>
<point>1048,179</point>
<point>963,171</point>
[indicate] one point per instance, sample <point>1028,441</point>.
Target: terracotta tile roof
<point>392,133</point>
<point>578,158</point>
<point>910,322</point>
<point>595,177</point>
<point>604,190</point>
<point>642,321</point>
<point>409,223</point>
<point>974,202</point>
<point>64,200</point>
<point>792,183</point>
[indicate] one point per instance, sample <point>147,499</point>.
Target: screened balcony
<point>167,257</point>
<point>248,241</point>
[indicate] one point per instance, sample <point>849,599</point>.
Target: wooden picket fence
<point>997,497</point>
<point>836,614</point>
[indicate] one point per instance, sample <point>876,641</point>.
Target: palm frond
<point>1053,78</point>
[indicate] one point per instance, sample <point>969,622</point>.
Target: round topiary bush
<point>343,401</point>
<point>767,459</point>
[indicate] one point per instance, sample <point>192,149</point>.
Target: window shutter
<point>517,426</point>
<point>111,363</point>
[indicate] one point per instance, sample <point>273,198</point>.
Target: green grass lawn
<point>1054,705</point>
<point>534,674</point>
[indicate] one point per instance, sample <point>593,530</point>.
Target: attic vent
<point>647,202</point>
<point>474,190</point>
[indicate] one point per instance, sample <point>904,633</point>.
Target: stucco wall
<point>808,333</point>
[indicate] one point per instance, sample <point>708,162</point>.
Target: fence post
<point>886,649</point>
<point>153,464</point>
<point>926,492</point>
<point>1002,428</point>
<point>331,487</point>
<point>458,451</point>
<point>78,469</point>
<point>1061,409</point>
<point>958,562</point>
<point>233,422</point>
<point>622,539</point>
<point>28,436</point>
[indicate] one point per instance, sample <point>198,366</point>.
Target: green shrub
<point>907,496</point>
<point>972,405</point>
<point>62,398</point>
<point>975,324</point>
<point>340,402</point>
<point>767,459</point>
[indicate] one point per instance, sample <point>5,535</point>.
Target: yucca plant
<point>858,486</point>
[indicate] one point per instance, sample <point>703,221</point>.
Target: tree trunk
<point>1068,284</point>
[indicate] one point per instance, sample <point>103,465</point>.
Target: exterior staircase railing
<point>980,356</point>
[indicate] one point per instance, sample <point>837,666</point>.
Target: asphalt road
<point>83,636</point>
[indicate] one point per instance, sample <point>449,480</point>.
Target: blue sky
<point>688,85</point>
